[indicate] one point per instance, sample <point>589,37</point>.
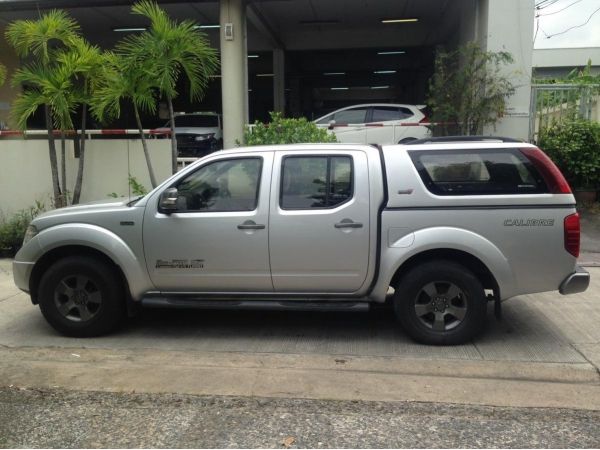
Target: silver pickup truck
<point>446,226</point>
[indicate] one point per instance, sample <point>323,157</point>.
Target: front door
<point>319,224</point>
<point>217,240</point>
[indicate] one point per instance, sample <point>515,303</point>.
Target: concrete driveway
<point>545,352</point>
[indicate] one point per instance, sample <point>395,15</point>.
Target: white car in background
<point>377,123</point>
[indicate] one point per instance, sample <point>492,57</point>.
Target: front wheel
<point>82,297</point>
<point>440,303</point>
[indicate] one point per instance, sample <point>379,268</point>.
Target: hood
<point>82,212</point>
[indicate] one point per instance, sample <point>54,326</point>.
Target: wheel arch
<point>466,259</point>
<point>94,241</point>
<point>58,253</point>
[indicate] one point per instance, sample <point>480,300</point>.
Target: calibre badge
<point>180,264</point>
<point>529,223</point>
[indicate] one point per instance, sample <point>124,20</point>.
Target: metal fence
<point>554,103</point>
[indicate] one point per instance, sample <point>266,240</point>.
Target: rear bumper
<point>578,281</point>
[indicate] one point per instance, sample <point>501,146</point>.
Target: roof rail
<point>439,140</point>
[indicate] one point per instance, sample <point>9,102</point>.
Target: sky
<point>552,20</point>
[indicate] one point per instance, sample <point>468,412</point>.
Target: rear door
<point>391,124</point>
<point>319,221</point>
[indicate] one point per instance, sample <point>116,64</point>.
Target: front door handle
<point>348,223</point>
<point>251,225</point>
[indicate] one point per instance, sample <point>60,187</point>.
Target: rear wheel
<point>441,303</point>
<point>82,297</point>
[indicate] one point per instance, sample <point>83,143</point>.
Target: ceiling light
<point>264,74</point>
<point>334,73</point>
<point>381,72</point>
<point>207,26</point>
<point>380,87</point>
<point>414,19</point>
<point>128,29</point>
<point>398,52</point>
<point>339,88</point>
<point>252,56</point>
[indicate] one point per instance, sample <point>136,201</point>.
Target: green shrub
<point>286,131</point>
<point>12,229</point>
<point>136,188</point>
<point>575,148</point>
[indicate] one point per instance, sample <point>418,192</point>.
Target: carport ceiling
<point>297,24</point>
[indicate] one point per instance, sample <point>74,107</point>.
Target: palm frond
<point>2,74</point>
<point>37,37</point>
<point>174,49</point>
<point>25,105</point>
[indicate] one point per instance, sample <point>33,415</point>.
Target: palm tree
<point>52,88</point>
<point>173,48</point>
<point>87,62</point>
<point>2,74</point>
<point>125,79</point>
<point>42,39</point>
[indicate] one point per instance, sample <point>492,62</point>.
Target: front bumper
<point>22,273</point>
<point>578,281</point>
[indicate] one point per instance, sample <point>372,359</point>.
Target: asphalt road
<point>54,418</point>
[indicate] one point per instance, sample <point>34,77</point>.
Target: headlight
<point>29,233</point>
<point>204,137</point>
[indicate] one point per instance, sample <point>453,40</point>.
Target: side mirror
<point>168,200</point>
<point>331,124</point>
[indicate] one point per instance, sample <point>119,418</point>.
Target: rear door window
<point>477,172</point>
<point>388,113</point>
<point>310,182</point>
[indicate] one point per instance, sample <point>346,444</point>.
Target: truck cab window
<point>316,181</point>
<point>228,185</point>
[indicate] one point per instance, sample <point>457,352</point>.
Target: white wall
<point>25,169</point>
<point>510,28</point>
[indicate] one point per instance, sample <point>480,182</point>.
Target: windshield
<point>197,121</point>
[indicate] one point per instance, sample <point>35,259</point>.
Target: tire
<point>440,303</point>
<point>82,297</point>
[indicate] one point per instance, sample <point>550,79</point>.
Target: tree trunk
<point>173,135</point>
<point>145,146</point>
<point>63,168</point>
<point>53,162</point>
<point>79,179</point>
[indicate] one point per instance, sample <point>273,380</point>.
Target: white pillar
<point>509,27</point>
<point>279,80</point>
<point>234,71</point>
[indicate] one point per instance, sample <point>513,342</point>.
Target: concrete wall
<point>509,28</point>
<point>25,169</point>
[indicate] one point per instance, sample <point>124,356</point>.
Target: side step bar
<point>239,304</point>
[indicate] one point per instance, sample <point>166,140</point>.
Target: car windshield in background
<point>197,121</point>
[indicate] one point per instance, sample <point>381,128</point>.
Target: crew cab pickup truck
<point>439,228</point>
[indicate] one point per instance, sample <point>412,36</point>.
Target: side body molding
<point>436,238</point>
<point>105,241</point>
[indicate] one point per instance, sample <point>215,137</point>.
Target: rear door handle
<point>251,225</point>
<point>348,223</point>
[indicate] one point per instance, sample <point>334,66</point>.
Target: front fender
<point>100,239</point>
<point>395,254</point>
